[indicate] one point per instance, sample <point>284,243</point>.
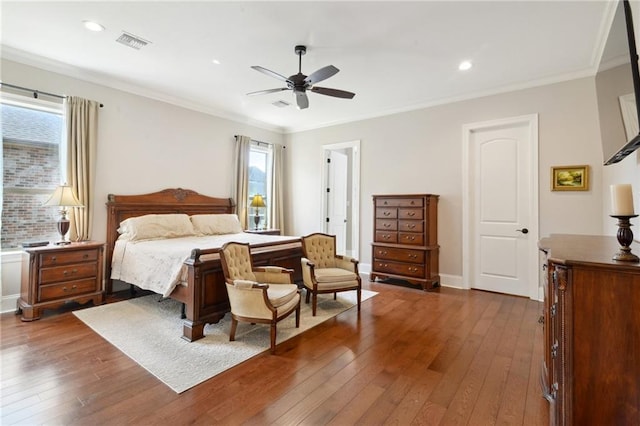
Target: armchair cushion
<point>280,294</point>
<point>332,275</point>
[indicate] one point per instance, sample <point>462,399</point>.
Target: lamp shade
<point>257,201</point>
<point>63,197</point>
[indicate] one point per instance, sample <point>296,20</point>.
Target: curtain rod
<point>253,140</point>
<point>36,92</point>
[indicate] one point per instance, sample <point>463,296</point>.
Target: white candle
<point>622,200</point>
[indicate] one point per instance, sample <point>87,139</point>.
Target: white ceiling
<point>395,56</point>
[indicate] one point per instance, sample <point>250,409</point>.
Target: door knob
<point>523,230</point>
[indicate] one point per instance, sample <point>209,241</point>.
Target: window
<point>32,130</point>
<point>260,175</point>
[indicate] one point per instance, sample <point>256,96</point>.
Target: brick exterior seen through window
<point>31,172</point>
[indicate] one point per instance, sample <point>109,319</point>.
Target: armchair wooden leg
<point>335,295</point>
<point>359,297</point>
<point>307,298</point>
<point>232,332</point>
<point>273,337</point>
<point>298,315</point>
<point>314,304</point>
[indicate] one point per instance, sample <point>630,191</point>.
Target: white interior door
<point>337,198</point>
<point>502,218</point>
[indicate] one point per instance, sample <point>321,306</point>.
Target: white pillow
<point>154,226</point>
<point>214,224</point>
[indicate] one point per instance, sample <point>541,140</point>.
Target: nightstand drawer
<point>68,272</point>
<point>67,289</point>
<point>63,258</point>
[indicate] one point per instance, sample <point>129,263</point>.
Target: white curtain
<point>240,184</point>
<point>276,208</point>
<point>81,117</point>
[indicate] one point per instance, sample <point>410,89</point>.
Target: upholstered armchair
<point>257,294</point>
<point>324,271</point>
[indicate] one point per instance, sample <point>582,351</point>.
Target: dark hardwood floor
<point>451,357</point>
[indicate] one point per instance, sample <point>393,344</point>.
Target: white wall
<point>421,151</point>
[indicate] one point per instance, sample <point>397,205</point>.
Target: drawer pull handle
<point>541,319</point>
<point>387,213</point>
<point>386,225</point>
<point>382,253</point>
<point>386,237</point>
<point>85,256</point>
<point>411,226</point>
<point>413,256</point>
<point>411,214</point>
<point>412,202</point>
<point>53,258</point>
<point>385,203</point>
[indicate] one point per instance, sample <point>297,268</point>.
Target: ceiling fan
<point>300,83</point>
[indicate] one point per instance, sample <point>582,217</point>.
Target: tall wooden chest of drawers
<point>405,239</point>
<point>55,275</point>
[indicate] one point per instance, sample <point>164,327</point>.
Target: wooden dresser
<point>55,275</point>
<point>591,367</point>
<point>405,239</point>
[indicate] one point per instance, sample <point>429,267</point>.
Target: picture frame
<point>570,178</point>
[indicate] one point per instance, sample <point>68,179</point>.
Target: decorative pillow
<point>154,226</point>
<point>214,224</point>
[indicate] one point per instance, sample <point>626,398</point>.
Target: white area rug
<point>149,332</point>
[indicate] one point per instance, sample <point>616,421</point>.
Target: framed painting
<point>570,178</point>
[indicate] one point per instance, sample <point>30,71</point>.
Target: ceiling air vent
<point>132,41</point>
<point>281,104</point>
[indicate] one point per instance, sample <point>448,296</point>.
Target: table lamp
<point>63,197</point>
<point>257,201</point>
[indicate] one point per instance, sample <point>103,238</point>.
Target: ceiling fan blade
<point>333,92</point>
<point>264,92</point>
<point>271,73</point>
<point>321,74</point>
<point>302,100</point>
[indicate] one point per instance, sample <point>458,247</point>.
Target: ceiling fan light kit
<point>300,83</point>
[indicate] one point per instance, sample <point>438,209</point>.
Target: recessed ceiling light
<point>465,65</point>
<point>93,26</point>
<point>215,61</point>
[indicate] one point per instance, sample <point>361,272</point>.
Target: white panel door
<point>337,198</point>
<point>500,201</point>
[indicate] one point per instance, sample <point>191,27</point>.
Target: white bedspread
<point>158,265</point>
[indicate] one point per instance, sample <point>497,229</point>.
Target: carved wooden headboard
<point>172,200</point>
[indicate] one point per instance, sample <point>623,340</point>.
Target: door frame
<point>468,230</point>
<point>354,167</point>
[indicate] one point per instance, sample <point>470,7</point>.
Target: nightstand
<point>264,231</point>
<point>55,275</point>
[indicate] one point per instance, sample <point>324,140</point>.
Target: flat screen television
<point>618,88</point>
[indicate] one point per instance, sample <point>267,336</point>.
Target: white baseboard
<point>446,280</point>
<point>8,303</point>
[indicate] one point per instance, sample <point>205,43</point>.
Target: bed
<point>201,287</point>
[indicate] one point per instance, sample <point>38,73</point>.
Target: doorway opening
<point>341,195</point>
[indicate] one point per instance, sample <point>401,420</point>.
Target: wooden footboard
<point>205,294</point>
